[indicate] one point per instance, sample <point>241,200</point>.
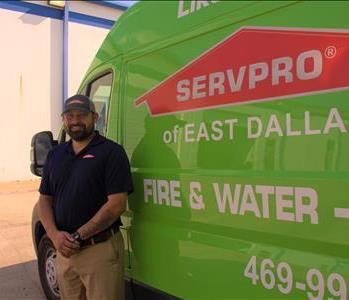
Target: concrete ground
<point>19,277</point>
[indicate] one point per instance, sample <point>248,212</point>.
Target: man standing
<point>83,192</point>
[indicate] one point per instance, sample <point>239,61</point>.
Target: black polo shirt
<point>80,184</point>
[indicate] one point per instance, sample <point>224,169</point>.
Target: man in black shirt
<point>83,192</point>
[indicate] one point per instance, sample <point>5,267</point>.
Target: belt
<point>100,237</point>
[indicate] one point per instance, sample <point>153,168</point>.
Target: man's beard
<point>82,134</point>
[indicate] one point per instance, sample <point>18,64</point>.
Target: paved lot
<point>19,277</point>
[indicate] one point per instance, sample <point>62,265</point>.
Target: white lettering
<point>334,121</point>
<point>289,131</point>
<point>257,72</point>
<point>306,209</point>
<point>201,3</point>
<point>188,132</point>
<point>198,87</point>
<point>248,202</point>
<point>235,85</point>
<point>282,203</point>
<point>155,195</point>
<point>203,133</point>
<point>273,126</point>
<point>216,82</point>
<point>227,195</point>
<point>265,191</point>
<point>167,137</point>
<point>277,72</point>
<point>309,65</point>
<point>217,129</point>
<point>258,124</point>
<point>195,5</point>
<point>183,90</point>
<point>308,130</point>
<point>175,193</point>
<point>163,192</point>
<point>195,198</point>
<point>192,6</point>
<point>231,123</point>
<point>181,11</point>
<point>148,191</point>
<point>286,202</point>
<point>314,55</point>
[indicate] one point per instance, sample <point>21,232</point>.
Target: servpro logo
<point>256,64</point>
<point>279,70</point>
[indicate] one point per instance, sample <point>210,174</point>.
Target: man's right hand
<point>64,243</point>
<point>62,240</point>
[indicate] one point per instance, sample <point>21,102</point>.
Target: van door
<point>102,86</point>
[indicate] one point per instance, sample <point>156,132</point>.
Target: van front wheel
<point>47,268</point>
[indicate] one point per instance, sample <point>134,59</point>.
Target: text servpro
<point>233,80</point>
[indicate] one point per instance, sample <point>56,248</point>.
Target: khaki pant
<point>95,272</point>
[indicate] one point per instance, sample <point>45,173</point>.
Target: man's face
<point>78,124</point>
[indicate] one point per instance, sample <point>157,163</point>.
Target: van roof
<point>148,22</point>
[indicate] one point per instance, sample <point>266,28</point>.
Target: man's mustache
<point>76,125</point>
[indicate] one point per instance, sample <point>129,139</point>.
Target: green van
<point>235,120</point>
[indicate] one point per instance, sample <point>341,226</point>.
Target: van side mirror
<point>41,144</point>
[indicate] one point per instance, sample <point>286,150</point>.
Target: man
<point>83,192</point>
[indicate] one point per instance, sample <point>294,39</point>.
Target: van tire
<point>47,268</point>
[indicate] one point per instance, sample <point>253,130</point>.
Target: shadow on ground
<point>20,281</point>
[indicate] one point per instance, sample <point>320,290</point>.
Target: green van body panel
<point>258,244</point>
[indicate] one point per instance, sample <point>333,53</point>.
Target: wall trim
<point>90,20</point>
<point>55,13</point>
<point>32,9</point>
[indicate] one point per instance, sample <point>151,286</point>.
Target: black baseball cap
<point>79,102</point>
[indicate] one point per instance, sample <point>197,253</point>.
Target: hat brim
<point>77,107</point>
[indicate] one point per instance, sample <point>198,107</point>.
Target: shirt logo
<point>88,156</point>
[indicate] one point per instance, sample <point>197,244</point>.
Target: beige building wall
<point>31,60</point>
<point>81,50</point>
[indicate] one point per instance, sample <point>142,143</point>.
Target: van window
<point>99,91</point>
